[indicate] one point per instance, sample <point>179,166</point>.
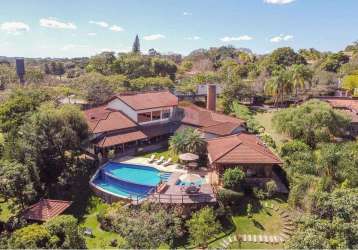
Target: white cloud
<point>14,28</point>
<point>195,38</point>
<point>99,23</point>
<point>185,13</point>
<point>116,28</point>
<point>53,23</point>
<point>74,46</point>
<point>91,34</point>
<point>279,2</point>
<point>153,37</point>
<point>239,38</point>
<point>281,38</point>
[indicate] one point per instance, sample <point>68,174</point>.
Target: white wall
<point>131,113</point>
<point>121,106</point>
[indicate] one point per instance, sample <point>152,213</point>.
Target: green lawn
<point>263,221</point>
<point>265,120</point>
<point>101,239</point>
<point>165,153</point>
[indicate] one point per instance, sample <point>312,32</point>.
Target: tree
<point>279,85</point>
<point>15,182</point>
<point>150,83</point>
<point>350,82</point>
<point>233,178</point>
<point>67,233</point>
<point>34,76</point>
<point>188,140</point>
<point>136,45</point>
<point>51,140</point>
<point>301,75</point>
<point>312,122</point>
<point>203,226</point>
<point>33,236</point>
<point>101,63</point>
<point>333,62</point>
<point>21,103</point>
<point>285,57</point>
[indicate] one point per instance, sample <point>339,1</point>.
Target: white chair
<point>161,159</point>
<point>151,159</point>
<point>167,162</point>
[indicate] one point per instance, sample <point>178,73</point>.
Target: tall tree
<point>301,75</point>
<point>136,45</point>
<point>279,85</point>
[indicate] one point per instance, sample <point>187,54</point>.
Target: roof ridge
<point>265,150</point>
<point>231,149</point>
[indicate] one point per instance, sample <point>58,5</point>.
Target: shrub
<point>228,197</point>
<point>268,140</point>
<point>203,226</point>
<point>259,193</point>
<point>233,179</point>
<point>271,188</point>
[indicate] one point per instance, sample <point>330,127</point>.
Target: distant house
<point>349,106</point>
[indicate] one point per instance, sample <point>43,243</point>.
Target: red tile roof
<point>102,119</point>
<point>149,100</point>
<point>242,148</point>
<point>351,104</point>
<point>112,140</point>
<point>46,209</point>
<point>210,121</point>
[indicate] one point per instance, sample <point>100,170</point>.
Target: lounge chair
<point>151,159</point>
<point>161,159</point>
<point>167,162</point>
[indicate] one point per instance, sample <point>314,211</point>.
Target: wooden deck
<point>175,194</point>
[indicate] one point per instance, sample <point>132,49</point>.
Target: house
<point>129,121</point>
<point>209,122</point>
<point>247,152</point>
<point>349,106</point>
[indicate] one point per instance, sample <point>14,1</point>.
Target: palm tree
<point>187,141</point>
<point>300,75</point>
<point>279,85</point>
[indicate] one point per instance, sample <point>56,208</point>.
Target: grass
<point>165,153</point>
<point>263,221</point>
<point>265,120</point>
<point>101,239</point>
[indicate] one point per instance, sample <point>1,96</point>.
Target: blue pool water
<point>128,180</point>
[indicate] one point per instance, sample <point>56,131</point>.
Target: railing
<point>181,198</point>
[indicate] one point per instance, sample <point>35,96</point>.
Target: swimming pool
<point>128,180</point>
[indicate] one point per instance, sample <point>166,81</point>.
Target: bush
<point>203,226</point>
<point>271,188</point>
<point>229,197</point>
<point>233,179</point>
<point>259,193</point>
<point>266,138</point>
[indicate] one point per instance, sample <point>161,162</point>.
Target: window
<point>144,117</point>
<point>165,113</point>
<point>155,115</point>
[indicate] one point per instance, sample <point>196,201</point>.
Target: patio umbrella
<point>188,157</point>
<point>190,178</point>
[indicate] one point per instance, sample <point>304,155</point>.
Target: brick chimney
<point>211,97</point>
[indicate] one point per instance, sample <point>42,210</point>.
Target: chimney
<point>20,69</point>
<point>211,97</point>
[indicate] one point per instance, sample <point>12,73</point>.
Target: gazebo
<point>45,210</point>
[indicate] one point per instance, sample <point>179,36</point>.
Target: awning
<point>113,140</point>
<point>188,157</point>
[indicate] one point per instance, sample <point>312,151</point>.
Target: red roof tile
<point>112,140</point>
<point>46,209</point>
<point>149,100</point>
<point>351,104</point>
<point>102,119</point>
<point>210,121</point>
<point>240,149</point>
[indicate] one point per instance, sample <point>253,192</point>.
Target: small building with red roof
<point>45,210</point>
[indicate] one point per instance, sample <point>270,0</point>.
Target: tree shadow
<point>258,225</point>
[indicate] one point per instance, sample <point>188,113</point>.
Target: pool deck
<point>144,161</point>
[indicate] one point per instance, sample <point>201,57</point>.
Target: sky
<point>65,28</point>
